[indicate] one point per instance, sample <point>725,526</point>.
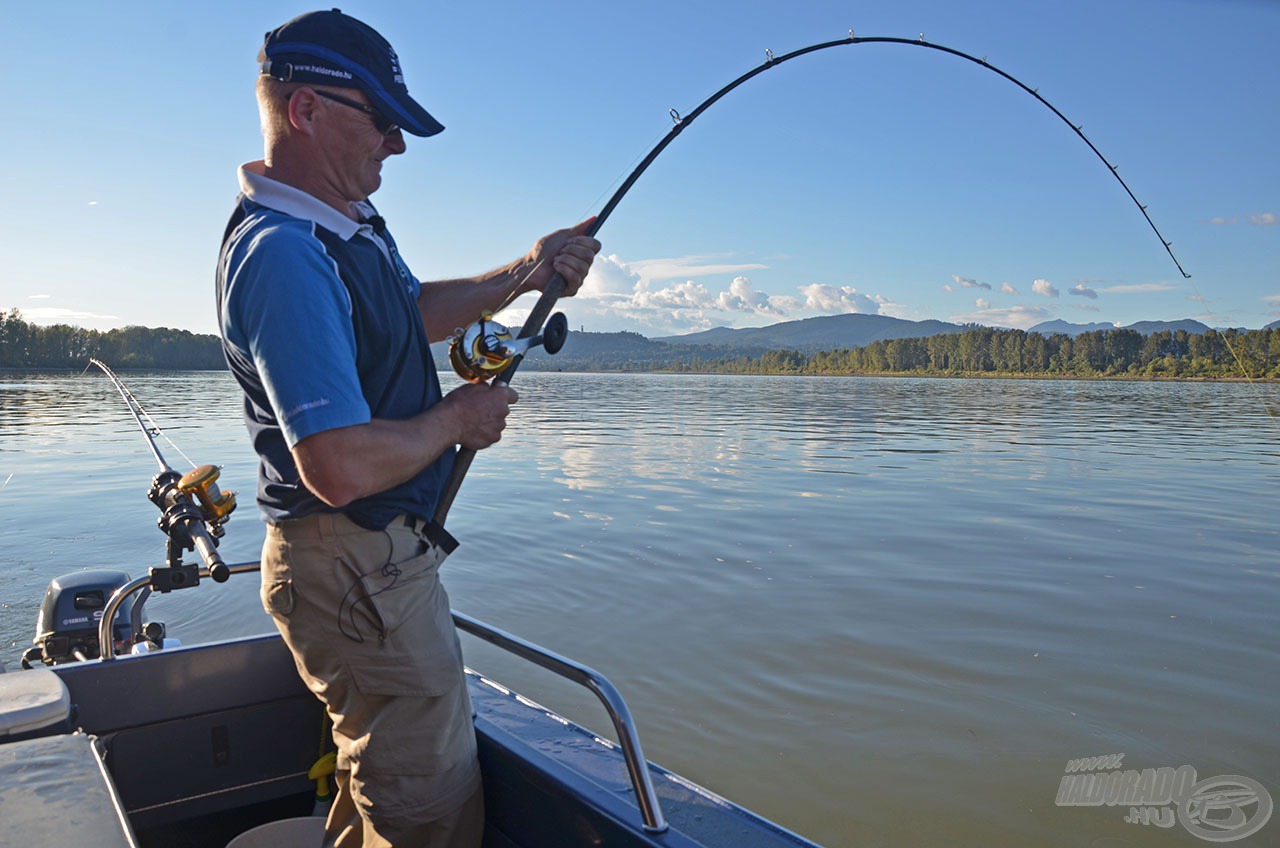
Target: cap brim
<point>405,112</point>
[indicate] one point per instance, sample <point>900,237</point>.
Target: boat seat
<point>33,703</point>
<point>55,790</point>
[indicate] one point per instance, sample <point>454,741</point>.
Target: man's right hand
<point>480,411</point>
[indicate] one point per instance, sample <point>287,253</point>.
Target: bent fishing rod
<point>193,509</point>
<point>486,349</point>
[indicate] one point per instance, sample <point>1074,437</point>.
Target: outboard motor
<point>67,628</point>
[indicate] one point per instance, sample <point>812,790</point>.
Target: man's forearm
<point>349,463</point>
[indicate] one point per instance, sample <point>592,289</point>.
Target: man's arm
<point>448,304</point>
<point>348,463</point>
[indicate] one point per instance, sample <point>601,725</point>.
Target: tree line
<point>983,350</point>
<point>975,350</point>
<point>27,345</point>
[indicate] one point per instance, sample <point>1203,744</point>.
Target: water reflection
<point>911,599</point>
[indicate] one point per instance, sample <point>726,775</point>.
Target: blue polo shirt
<point>321,329</point>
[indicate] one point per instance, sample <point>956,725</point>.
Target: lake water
<point>883,612</point>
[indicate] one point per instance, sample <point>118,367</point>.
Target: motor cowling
<point>67,625</point>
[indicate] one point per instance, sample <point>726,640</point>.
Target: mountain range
<point>587,350</point>
<point>827,332</point>
<point>1046,328</point>
<point>831,332</point>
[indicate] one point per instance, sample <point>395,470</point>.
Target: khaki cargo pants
<point>370,630</point>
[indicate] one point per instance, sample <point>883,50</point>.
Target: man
<point>326,330</point>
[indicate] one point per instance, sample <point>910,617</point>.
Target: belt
<point>431,532</point>
<point>325,524</point>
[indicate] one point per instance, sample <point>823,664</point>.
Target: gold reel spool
<point>478,352</point>
<point>202,484</point>
<point>486,348</point>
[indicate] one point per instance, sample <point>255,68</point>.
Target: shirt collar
<point>282,197</point>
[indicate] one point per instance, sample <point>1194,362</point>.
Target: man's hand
<point>568,251</point>
<point>480,413</point>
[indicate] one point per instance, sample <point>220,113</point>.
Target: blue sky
<point>871,178</point>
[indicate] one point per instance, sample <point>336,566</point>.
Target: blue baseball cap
<point>330,48</point>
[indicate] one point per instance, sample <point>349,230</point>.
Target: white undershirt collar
<point>294,201</point>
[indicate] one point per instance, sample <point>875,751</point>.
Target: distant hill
<point>828,332</point>
<point>1274,325</point>
<point>1048,328</point>
<point>1189,324</point>
<point>1066,328</point>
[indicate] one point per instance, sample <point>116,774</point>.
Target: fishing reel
<point>215,505</point>
<point>193,511</point>
<point>486,348</point>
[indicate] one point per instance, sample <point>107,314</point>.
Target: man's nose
<point>394,142</point>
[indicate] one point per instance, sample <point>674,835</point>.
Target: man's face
<point>356,147</point>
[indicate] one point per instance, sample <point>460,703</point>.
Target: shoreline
<point>932,375</point>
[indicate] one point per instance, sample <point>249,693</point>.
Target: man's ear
<point>303,104</point>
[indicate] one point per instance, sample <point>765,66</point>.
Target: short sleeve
<point>288,311</point>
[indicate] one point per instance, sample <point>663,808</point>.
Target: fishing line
<point>1262,400</point>
<point>155,428</point>
<point>556,286</point>
<point>138,412</point>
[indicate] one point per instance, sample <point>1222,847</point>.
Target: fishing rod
<point>488,351</point>
<point>193,510</point>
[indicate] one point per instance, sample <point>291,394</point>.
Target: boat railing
<point>608,695</point>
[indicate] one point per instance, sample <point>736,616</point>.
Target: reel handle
<point>208,551</point>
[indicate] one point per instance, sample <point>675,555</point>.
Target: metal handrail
<point>106,642</point>
<point>606,692</point>
<point>614,705</point>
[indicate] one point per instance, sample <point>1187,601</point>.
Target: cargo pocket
<point>423,720</point>
<point>277,579</point>
<point>393,594</point>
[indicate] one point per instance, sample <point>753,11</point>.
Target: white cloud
<point>1088,307</point>
<point>686,295</point>
<point>948,287</point>
<point>1222,221</point>
<point>1019,317</point>
<point>1081,290</point>
<point>1045,288</point>
<point>608,275</point>
<point>687,267</point>
<point>982,303</point>
<point>1266,219</point>
<point>1008,289</point>
<point>843,299</point>
<point>742,297</point>
<point>970,283</point>
<point>620,294</point>
<point>59,315</point>
<point>38,296</point>
<point>1272,298</point>
<point>1139,288</point>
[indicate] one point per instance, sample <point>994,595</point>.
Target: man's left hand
<point>569,251</point>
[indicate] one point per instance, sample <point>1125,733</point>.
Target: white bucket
<point>287,833</point>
